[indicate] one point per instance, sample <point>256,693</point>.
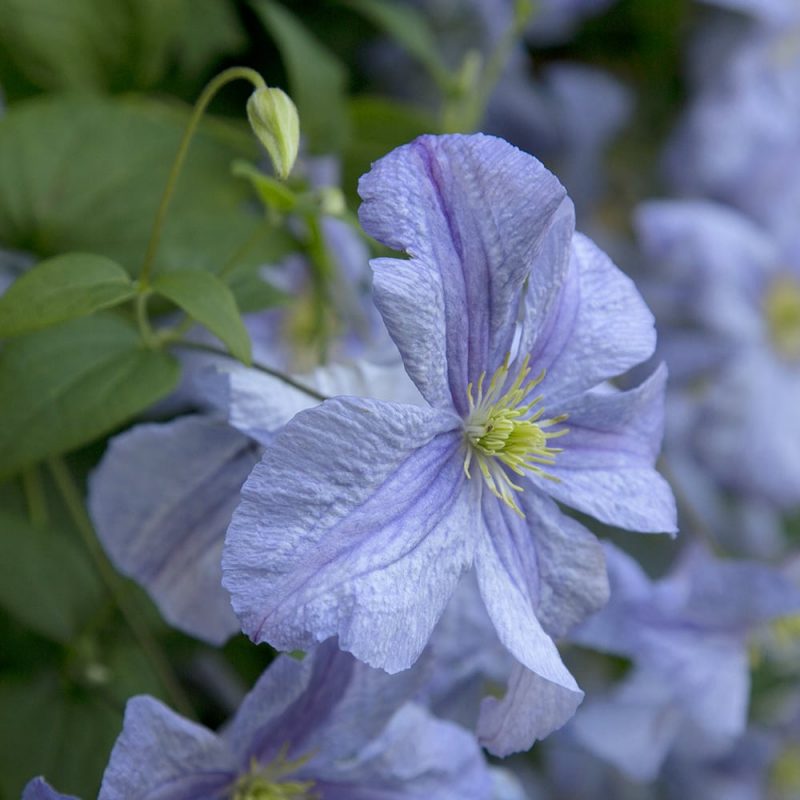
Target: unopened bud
<point>273,118</point>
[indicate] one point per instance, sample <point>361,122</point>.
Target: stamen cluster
<point>264,782</point>
<point>500,433</point>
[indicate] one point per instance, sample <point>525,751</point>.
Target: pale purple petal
<point>507,568</point>
<point>160,754</point>
<point>599,329</point>
<point>634,728</point>
<point>40,789</point>
<point>356,523</point>
<point>572,572</point>
<point>606,468</point>
<point>531,709</point>
<point>471,211</point>
<point>257,404</point>
<point>161,500</point>
<point>416,756</point>
<point>328,704</point>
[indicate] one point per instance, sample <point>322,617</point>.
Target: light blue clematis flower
<point>327,728</point>
<point>729,304</point>
<point>687,636</point>
<point>364,515</point>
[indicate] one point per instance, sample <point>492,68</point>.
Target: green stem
<point>74,503</point>
<point>142,318</point>
<point>281,376</point>
<point>225,77</point>
<point>34,495</point>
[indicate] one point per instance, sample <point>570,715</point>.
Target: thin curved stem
<point>225,77</point>
<point>281,376</point>
<point>74,503</point>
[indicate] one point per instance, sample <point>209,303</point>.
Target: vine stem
<point>281,376</point>
<point>74,503</point>
<point>207,95</point>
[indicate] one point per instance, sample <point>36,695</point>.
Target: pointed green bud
<point>273,117</point>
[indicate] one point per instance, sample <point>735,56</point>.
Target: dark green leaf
<point>88,44</point>
<point>205,298</point>
<point>317,78</point>
<point>62,288</point>
<point>378,126</point>
<point>47,728</point>
<point>67,385</point>
<point>82,174</point>
<point>46,581</point>
<point>409,28</point>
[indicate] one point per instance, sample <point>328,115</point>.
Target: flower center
<point>504,431</point>
<point>782,306</point>
<point>264,782</point>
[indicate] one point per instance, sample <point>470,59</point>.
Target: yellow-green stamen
<point>501,435</point>
<point>265,782</point>
<point>782,307</point>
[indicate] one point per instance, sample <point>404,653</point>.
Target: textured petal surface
<point>160,754</point>
<point>606,468</point>
<point>416,756</point>
<point>471,211</point>
<point>531,709</point>
<point>356,523</point>
<point>507,568</point>
<point>328,705</point>
<point>161,501</point>
<point>571,565</point>
<point>258,404</point>
<point>599,327</point>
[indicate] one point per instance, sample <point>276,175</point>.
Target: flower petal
<point>531,709</point>
<point>606,467</point>
<point>599,328</point>
<point>356,524</point>
<point>416,756</point>
<point>328,704</point>
<point>507,567</point>
<point>40,789</point>
<point>257,404</point>
<point>159,753</point>
<point>161,500</point>
<point>471,211</point>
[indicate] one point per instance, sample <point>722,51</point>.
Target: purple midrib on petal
<point>425,488</point>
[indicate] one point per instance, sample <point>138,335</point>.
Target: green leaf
<point>272,193</point>
<point>409,28</point>
<point>205,298</point>
<point>62,288</point>
<point>46,581</point>
<point>253,293</point>
<point>317,78</point>
<point>59,195</point>
<point>49,728</point>
<point>87,44</point>
<point>67,385</point>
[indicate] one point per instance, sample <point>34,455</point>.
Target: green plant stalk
<point>207,95</point>
<point>126,605</point>
<point>34,496</point>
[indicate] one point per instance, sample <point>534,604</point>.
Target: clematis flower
<point>687,636</point>
<point>327,728</point>
<point>363,516</point>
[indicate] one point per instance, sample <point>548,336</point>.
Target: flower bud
<point>273,118</point>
